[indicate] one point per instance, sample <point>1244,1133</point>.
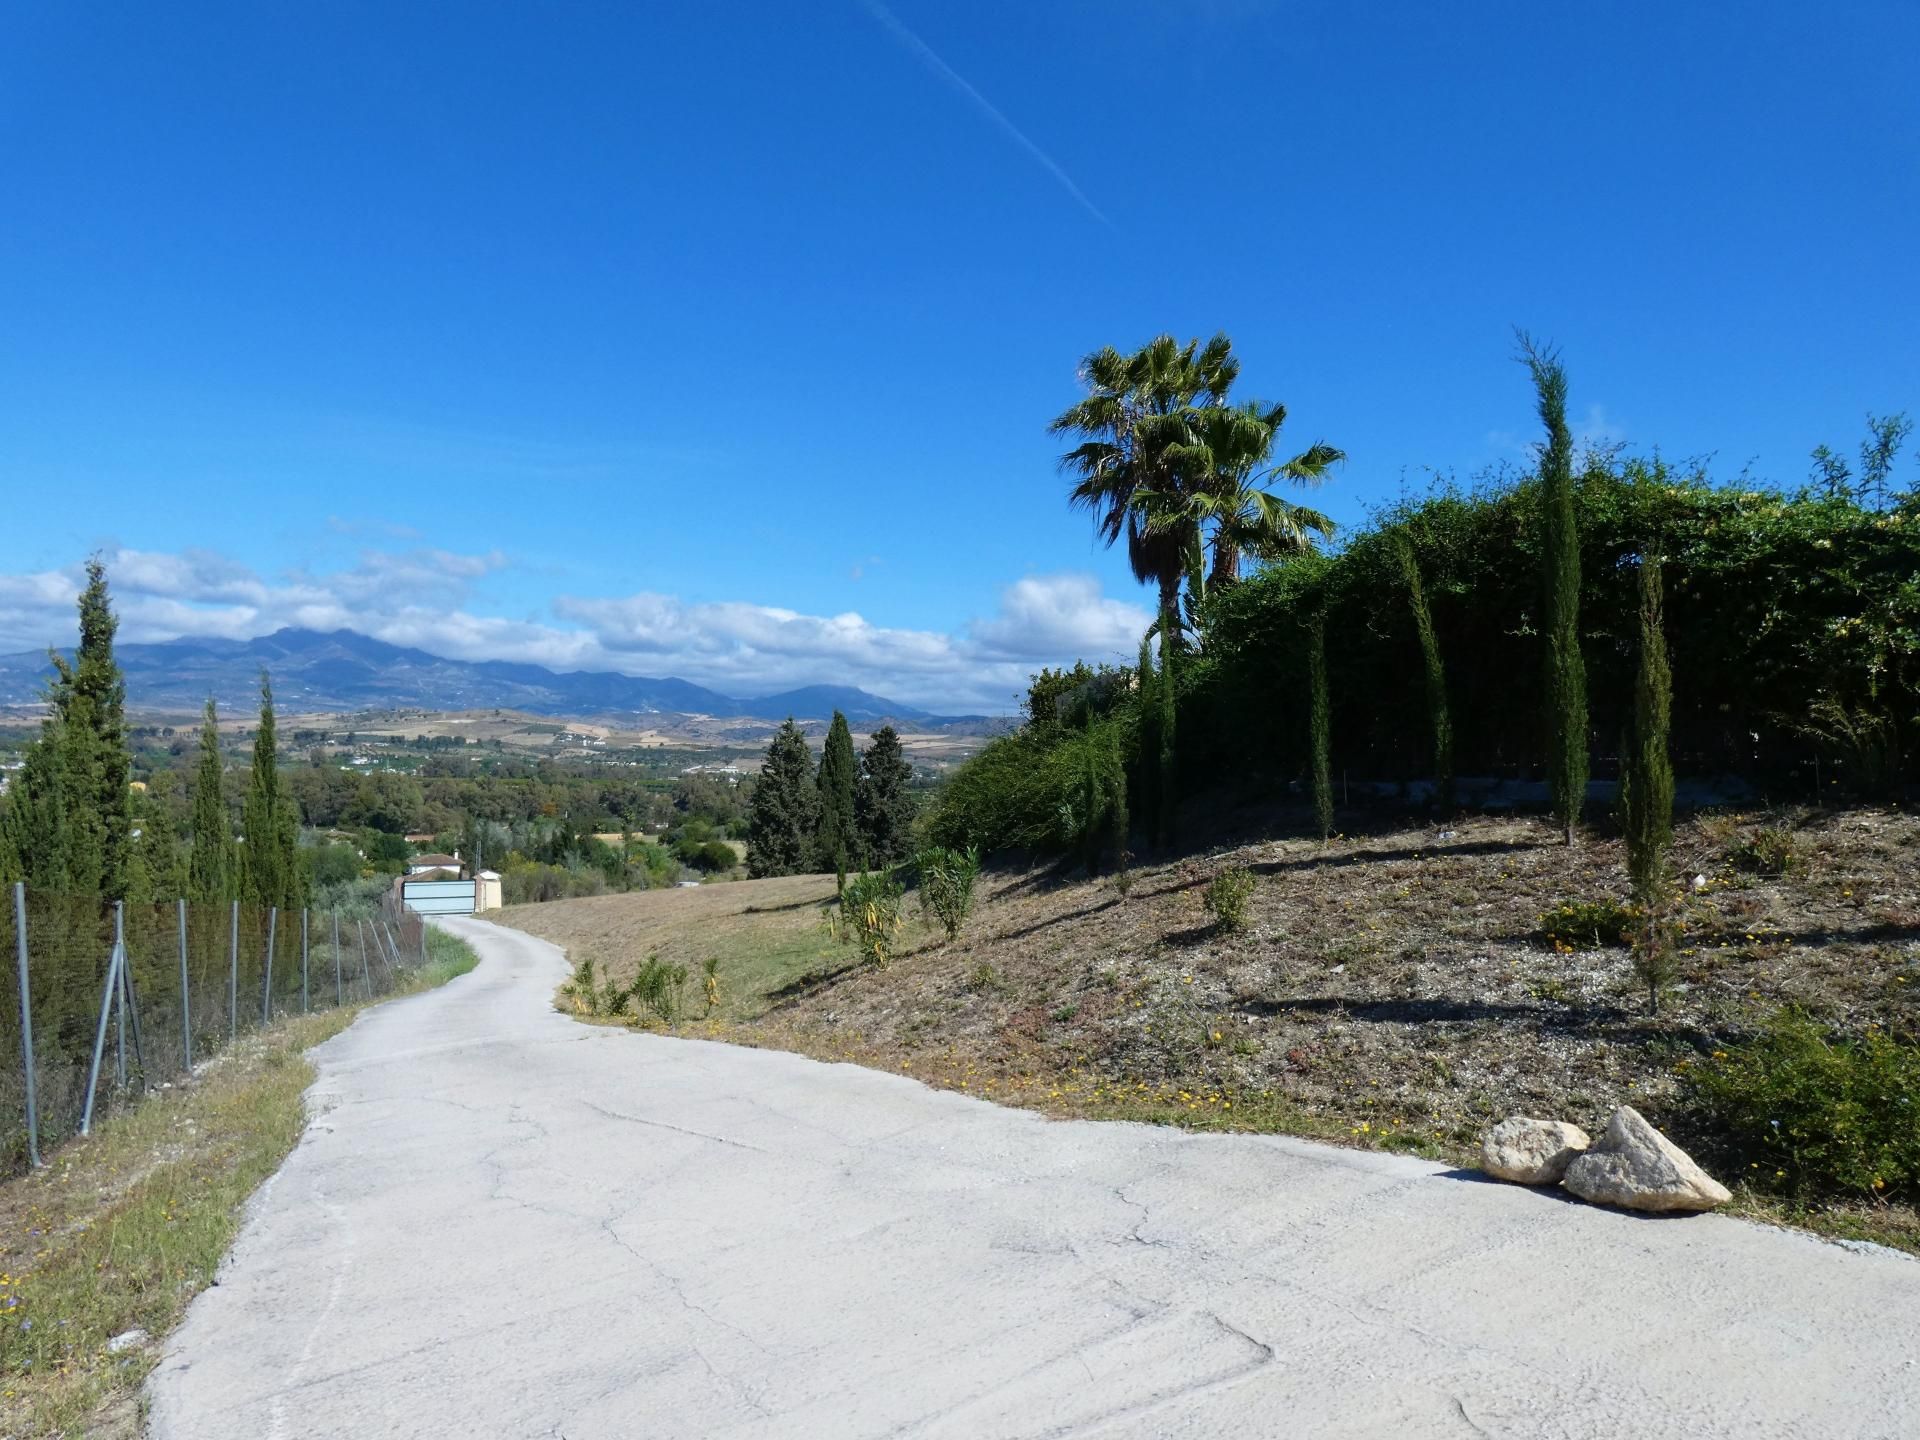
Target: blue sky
<point>720,340</point>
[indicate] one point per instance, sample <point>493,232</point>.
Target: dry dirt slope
<point>1389,988</point>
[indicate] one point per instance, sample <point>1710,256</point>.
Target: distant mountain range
<point>344,670</point>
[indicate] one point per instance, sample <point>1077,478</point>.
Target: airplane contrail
<point>1013,132</point>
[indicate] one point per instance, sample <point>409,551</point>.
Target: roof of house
<point>435,860</point>
<point>443,873</point>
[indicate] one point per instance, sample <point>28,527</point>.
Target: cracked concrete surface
<point>504,1223</point>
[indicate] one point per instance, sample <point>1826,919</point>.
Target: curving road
<point>504,1223</point>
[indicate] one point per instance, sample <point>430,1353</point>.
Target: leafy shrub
<point>869,916</point>
<point>1587,925</point>
<point>1029,791</point>
<point>661,988</point>
<point>1227,895</point>
<point>1810,1114</point>
<point>946,886</point>
<point>1770,851</point>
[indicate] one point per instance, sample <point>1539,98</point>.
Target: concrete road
<point>504,1223</point>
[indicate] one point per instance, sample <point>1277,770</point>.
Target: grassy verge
<point>119,1232</point>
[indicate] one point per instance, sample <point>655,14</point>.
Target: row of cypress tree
<point>849,812</point>
<point>73,821</point>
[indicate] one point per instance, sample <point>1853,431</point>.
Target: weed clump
<point>1587,925</point>
<point>1770,851</point>
<point>1812,1114</point>
<point>1227,895</point>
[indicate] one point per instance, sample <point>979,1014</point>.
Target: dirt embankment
<point>1388,988</point>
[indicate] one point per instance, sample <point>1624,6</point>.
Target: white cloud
<point>1596,431</point>
<point>1061,616</point>
<point>425,598</point>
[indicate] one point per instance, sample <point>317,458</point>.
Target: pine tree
<point>212,866</point>
<point>1646,791</point>
<point>69,823</point>
<point>883,802</point>
<point>269,864</point>
<point>837,841</point>
<point>1439,717</point>
<point>1566,673</point>
<point>781,814</point>
<point>1320,724</point>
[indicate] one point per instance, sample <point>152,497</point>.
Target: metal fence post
<point>339,998</point>
<point>306,1006</point>
<point>26,1019</point>
<point>119,1015</point>
<point>186,1002</point>
<point>366,979</point>
<point>266,978</point>
<point>107,992</point>
<point>129,999</point>
<point>233,975</point>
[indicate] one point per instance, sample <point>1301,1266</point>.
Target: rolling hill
<point>342,670</point>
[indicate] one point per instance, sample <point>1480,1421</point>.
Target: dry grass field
<point>1387,989</point>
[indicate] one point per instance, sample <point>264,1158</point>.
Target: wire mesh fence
<point>109,1001</point>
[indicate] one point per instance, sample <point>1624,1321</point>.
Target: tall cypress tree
<point>780,816</point>
<point>212,866</point>
<point>1165,694</point>
<point>153,873</point>
<point>1646,788</point>
<point>1566,671</point>
<point>269,866</point>
<point>883,802</point>
<point>1320,724</point>
<point>33,822</point>
<point>837,841</point>
<point>1647,796</point>
<point>1149,711</point>
<point>69,823</point>
<point>1439,717</point>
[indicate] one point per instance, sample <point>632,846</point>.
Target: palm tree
<point>1135,413</point>
<point>1233,447</point>
<point>1173,467</point>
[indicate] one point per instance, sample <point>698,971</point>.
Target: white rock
<point>1531,1152</point>
<point>1699,883</point>
<point>126,1340</point>
<point>1636,1167</point>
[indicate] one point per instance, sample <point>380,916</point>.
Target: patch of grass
<point>120,1231</point>
<point>766,934</point>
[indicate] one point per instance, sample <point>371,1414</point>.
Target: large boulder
<point>1636,1167</point>
<point>1531,1152</point>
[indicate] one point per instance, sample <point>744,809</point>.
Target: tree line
<point>1502,631</point>
<point>847,813</point>
<point>74,822</point>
